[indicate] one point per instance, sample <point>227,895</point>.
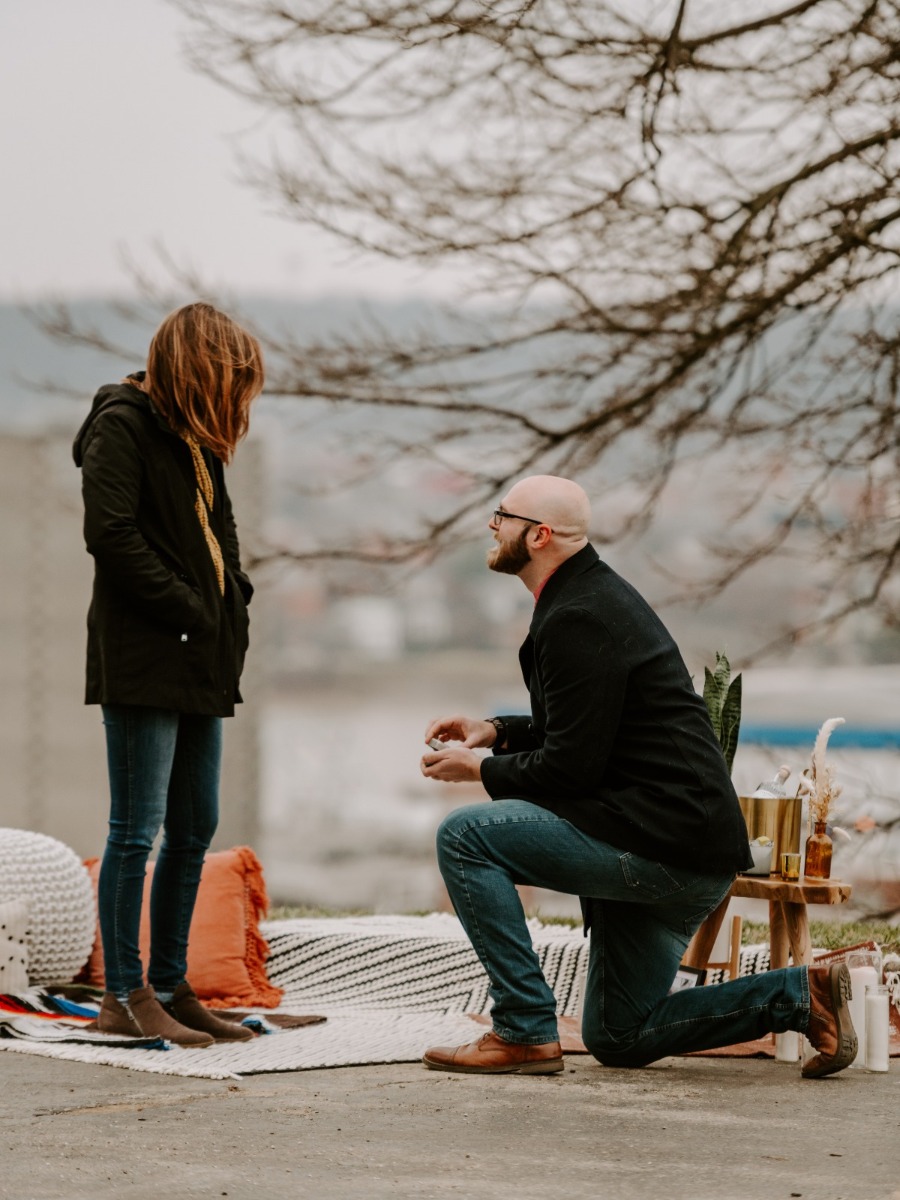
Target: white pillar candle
<point>877,1028</point>
<point>787,1046</point>
<point>860,978</point>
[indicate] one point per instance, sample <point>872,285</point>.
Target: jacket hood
<point>110,395</point>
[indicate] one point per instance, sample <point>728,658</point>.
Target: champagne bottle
<point>773,789</point>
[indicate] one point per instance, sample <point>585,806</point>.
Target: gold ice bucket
<point>778,820</point>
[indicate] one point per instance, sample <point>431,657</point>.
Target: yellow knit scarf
<point>203,504</point>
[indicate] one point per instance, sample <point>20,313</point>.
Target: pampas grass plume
<point>824,788</point>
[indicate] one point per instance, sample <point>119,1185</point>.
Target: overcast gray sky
<point>110,143</point>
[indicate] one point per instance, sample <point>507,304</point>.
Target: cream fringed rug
<point>389,987</point>
<point>341,1041</point>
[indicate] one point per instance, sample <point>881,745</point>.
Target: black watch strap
<point>500,725</point>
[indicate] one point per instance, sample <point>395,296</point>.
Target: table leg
<point>787,1045</point>
<point>797,921</point>
<point>778,935</point>
<point>699,952</point>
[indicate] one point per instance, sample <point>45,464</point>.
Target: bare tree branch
<point>680,228</point>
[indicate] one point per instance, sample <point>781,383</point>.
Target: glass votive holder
<point>790,867</point>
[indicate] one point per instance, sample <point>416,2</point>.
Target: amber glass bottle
<point>818,853</point>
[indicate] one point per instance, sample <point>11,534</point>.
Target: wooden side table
<point>788,929</point>
<point>788,917</point>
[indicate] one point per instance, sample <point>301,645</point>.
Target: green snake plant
<point>722,696</point>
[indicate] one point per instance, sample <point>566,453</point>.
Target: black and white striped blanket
<point>416,964</point>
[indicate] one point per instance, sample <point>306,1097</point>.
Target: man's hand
<point>471,732</point>
<point>456,764</point>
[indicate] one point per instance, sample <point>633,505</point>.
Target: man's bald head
<point>559,503</point>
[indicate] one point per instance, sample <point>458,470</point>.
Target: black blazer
<point>619,743</point>
<point>160,632</point>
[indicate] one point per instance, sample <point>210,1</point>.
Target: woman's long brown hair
<point>203,372</point>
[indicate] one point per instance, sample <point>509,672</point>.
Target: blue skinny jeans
<point>163,773</point>
<point>643,915</point>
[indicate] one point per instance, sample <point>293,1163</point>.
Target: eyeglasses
<point>501,515</point>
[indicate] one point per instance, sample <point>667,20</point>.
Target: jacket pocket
<point>240,622</point>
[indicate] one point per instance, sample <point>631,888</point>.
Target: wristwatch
<point>500,725</point>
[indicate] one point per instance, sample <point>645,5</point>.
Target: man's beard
<point>509,558</point>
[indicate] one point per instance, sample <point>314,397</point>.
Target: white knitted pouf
<point>62,917</point>
<point>13,947</point>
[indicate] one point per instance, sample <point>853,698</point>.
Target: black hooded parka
<point>160,632</point>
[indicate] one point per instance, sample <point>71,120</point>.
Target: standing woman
<point>167,633</point>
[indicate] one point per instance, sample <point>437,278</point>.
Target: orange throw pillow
<point>226,951</point>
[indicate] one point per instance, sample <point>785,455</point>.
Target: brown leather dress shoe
<point>830,1025</point>
<point>491,1055</point>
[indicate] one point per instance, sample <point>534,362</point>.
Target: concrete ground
<point>697,1127</point>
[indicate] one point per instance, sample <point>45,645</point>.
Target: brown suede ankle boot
<point>187,1010</point>
<point>113,1017</point>
<point>144,1016</point>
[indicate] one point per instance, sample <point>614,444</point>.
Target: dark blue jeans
<point>643,915</point>
<point>163,773</point>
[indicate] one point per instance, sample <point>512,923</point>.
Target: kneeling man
<point>615,790</point>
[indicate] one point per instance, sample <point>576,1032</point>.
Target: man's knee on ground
<point>621,1051</point>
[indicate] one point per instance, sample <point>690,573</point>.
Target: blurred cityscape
<point>348,664</point>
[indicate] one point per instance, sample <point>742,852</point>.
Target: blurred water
<point>349,821</point>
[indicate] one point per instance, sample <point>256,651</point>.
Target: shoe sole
<point>138,1034</point>
<point>848,1043</point>
<point>550,1066</point>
